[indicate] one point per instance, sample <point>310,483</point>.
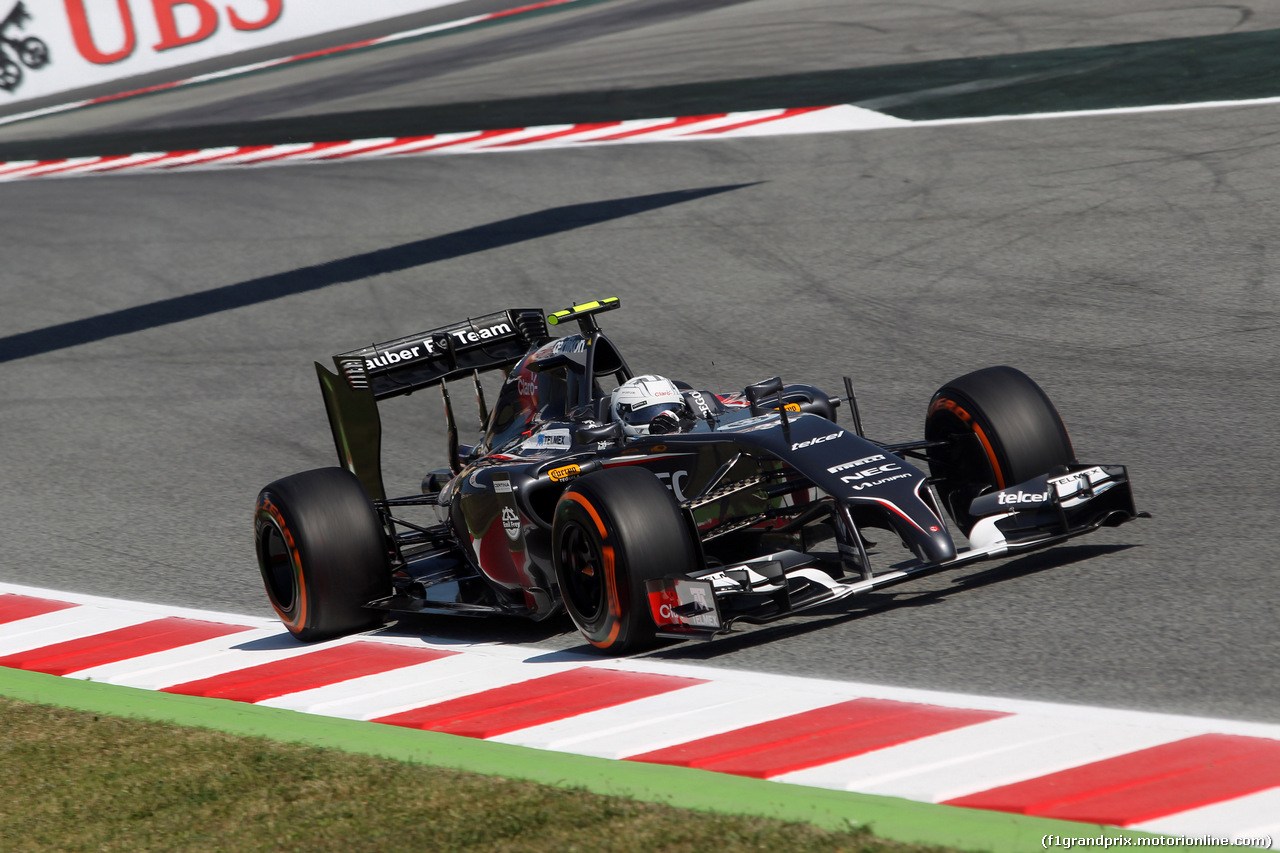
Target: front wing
<point>1036,514</point>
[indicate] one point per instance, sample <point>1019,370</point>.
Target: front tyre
<point>321,552</point>
<point>613,531</point>
<point>1004,431</point>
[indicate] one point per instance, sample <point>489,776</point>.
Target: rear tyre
<point>321,553</point>
<point>613,531</point>
<point>1008,432</point>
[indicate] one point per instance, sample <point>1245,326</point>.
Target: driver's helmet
<point>636,402</point>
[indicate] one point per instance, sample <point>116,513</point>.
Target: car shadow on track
<point>562,642</point>
<point>490,630</point>
<point>840,613</point>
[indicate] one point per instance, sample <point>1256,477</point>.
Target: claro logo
<point>179,23</point>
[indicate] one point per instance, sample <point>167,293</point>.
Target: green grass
<point>73,780</point>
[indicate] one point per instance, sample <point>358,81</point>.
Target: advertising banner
<point>52,46</point>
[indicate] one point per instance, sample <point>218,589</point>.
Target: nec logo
<point>870,472</point>
<point>801,445</point>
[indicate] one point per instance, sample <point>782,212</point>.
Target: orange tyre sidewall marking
<point>299,619</point>
<point>610,573</point>
<point>954,408</point>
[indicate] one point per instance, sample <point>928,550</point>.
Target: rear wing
<point>429,358</point>
<point>395,368</point>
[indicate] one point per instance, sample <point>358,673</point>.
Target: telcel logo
<point>800,445</point>
<point>1023,498</point>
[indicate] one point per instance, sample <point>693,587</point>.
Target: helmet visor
<point>644,414</point>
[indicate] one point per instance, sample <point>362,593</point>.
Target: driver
<point>649,405</point>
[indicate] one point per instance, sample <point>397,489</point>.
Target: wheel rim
<point>277,567</point>
<point>962,467</point>
<point>583,572</point>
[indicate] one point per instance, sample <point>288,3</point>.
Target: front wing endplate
<point>683,607</point>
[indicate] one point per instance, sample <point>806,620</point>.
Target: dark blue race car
<point>746,506</point>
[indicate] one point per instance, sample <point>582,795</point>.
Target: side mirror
<point>435,481</point>
<point>763,389</point>
<point>611,431</point>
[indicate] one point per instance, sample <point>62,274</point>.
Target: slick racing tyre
<point>1006,430</point>
<point>613,531</point>
<point>321,552</point>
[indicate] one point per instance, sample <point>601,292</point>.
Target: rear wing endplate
<point>395,368</point>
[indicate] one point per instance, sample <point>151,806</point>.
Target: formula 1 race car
<point>746,507</point>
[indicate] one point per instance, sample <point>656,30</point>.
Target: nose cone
<point>936,545</point>
<point>912,519</point>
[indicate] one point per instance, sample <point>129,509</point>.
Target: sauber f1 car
<point>754,506</point>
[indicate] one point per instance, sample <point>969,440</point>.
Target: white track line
<point>1114,111</point>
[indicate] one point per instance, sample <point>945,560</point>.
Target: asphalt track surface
<point>1125,262</point>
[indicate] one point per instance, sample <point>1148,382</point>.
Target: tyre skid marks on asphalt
<point>1157,773</point>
